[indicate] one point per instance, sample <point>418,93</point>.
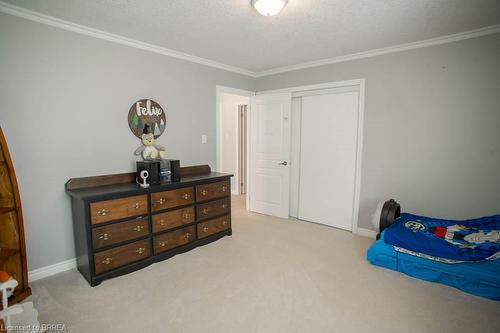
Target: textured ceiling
<point>233,33</point>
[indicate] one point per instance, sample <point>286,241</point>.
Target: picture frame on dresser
<point>120,227</point>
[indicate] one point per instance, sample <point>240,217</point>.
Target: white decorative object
<point>269,7</point>
<point>21,317</point>
<point>144,174</point>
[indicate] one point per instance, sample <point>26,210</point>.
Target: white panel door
<point>270,154</point>
<point>328,158</point>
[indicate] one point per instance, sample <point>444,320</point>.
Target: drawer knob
<point>187,216</point>
<point>163,243</point>
<point>103,212</point>
<point>140,250</point>
<point>224,188</point>
<point>186,196</point>
<point>224,206</point>
<point>107,261</point>
<point>205,229</point>
<point>205,210</point>
<point>224,222</point>
<point>139,228</point>
<point>187,235</point>
<point>105,236</point>
<point>204,192</point>
<point>137,205</point>
<point>162,222</point>
<point>161,201</point>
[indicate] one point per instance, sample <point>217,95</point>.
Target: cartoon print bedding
<point>446,240</point>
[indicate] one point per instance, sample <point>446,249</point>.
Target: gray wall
<point>431,131</point>
<point>65,99</point>
<point>431,137</point>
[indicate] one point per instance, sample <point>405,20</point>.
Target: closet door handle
<point>285,163</point>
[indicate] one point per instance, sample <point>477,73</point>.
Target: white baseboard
<point>50,270</point>
<point>366,233</point>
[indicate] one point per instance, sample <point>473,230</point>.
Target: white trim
<point>494,29</point>
<point>8,8</point>
<point>361,83</point>
<point>366,233</point>
<point>50,270</point>
<point>359,155</point>
<point>327,85</point>
<point>88,31</point>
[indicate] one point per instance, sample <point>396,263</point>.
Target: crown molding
<point>8,8</point>
<point>88,31</point>
<point>494,29</point>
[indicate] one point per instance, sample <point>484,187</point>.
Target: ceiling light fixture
<point>269,7</point>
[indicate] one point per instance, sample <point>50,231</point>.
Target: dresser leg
<point>95,283</point>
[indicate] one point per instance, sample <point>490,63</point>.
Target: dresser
<point>120,227</point>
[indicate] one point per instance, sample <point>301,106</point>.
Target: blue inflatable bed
<point>461,254</point>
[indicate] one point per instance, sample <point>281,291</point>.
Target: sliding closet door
<point>328,158</point>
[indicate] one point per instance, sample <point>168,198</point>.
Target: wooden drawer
<point>170,199</point>
<point>173,239</point>
<point>213,190</point>
<point>214,226</point>
<point>108,210</point>
<point>213,208</point>
<point>172,219</point>
<point>121,255</point>
<point>119,232</point>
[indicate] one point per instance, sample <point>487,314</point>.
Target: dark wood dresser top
<point>110,191</point>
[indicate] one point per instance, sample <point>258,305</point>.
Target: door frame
<point>219,91</point>
<point>361,83</point>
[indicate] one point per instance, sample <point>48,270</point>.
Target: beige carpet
<point>272,275</point>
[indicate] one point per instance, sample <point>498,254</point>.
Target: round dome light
<point>269,7</point>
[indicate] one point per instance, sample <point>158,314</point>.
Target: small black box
<point>153,168</point>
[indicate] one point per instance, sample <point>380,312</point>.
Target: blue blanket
<point>468,240</point>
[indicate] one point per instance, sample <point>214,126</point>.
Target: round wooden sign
<point>146,116</point>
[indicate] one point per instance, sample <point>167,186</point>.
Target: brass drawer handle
<point>107,261</point>
<point>224,188</point>
<point>161,201</point>
<point>163,243</point>
<point>204,192</point>
<point>162,222</point>
<point>224,223</point>
<point>105,236</point>
<point>186,196</point>
<point>103,212</point>
<point>137,205</point>
<point>205,210</point>
<point>140,250</point>
<point>186,216</point>
<point>224,206</point>
<point>205,229</point>
<point>187,235</point>
<point>138,228</point>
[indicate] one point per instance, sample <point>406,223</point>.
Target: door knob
<point>285,163</point>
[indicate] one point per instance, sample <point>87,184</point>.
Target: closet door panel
<point>328,158</point>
